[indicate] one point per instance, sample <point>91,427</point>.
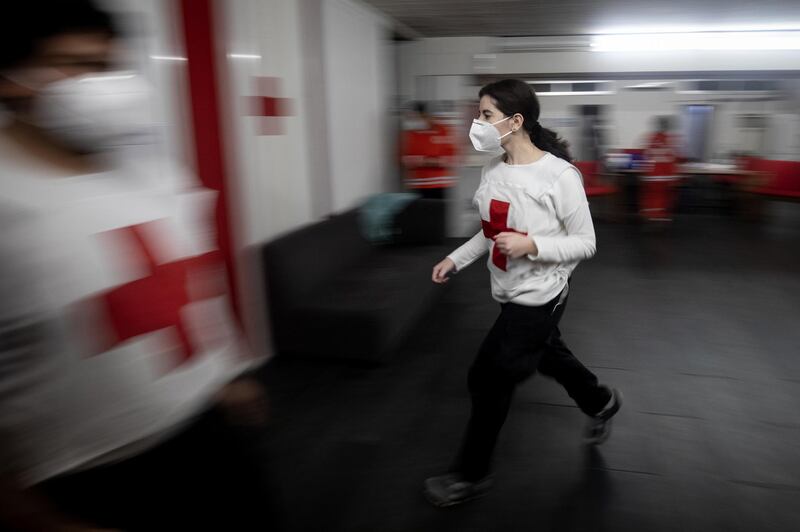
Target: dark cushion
<point>364,311</point>
<point>298,264</point>
<point>421,222</point>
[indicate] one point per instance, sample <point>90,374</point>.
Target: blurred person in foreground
<point>125,400</point>
<point>537,227</point>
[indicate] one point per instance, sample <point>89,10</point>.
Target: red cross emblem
<point>154,302</point>
<point>268,105</point>
<point>498,223</point>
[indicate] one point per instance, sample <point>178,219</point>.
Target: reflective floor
<point>697,323</point>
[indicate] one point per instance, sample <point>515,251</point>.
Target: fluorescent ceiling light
<point>168,58</point>
<point>725,91</point>
<point>575,93</point>
<point>650,85</point>
<point>698,29</point>
<point>742,40</point>
<point>546,82</point>
<point>106,78</point>
<point>244,56</point>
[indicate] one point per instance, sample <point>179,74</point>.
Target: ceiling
<point>445,18</point>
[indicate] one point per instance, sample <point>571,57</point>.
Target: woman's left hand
<point>515,245</point>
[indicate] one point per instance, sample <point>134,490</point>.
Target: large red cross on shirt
<point>154,302</point>
<point>498,223</point>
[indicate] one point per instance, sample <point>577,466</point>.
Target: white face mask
<point>415,124</point>
<point>486,137</point>
<point>97,112</point>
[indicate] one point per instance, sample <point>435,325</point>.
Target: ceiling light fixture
<point>655,42</point>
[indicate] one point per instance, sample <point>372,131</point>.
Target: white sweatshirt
<point>112,334</point>
<point>545,200</point>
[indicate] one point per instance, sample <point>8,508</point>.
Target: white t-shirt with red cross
<point>114,324</point>
<point>545,201</point>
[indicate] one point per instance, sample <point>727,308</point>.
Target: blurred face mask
<point>415,124</point>
<point>95,112</point>
<point>486,137</point>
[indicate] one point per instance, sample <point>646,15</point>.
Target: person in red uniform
<point>659,181</point>
<point>428,154</point>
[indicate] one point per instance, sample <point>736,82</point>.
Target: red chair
<point>774,180</point>
<point>782,181</point>
<point>591,184</point>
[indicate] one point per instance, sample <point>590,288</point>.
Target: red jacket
<point>435,143</point>
<point>661,153</point>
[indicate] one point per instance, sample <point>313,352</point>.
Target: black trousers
<point>523,340</point>
<point>209,477</point>
<point>431,193</point>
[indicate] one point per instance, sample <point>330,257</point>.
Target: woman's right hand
<point>441,270</point>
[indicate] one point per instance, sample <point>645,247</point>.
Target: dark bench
<point>332,294</point>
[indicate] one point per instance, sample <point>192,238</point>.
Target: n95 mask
<point>486,137</point>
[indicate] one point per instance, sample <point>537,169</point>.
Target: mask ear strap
<point>503,120</point>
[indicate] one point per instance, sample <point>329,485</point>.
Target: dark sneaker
<point>452,489</point>
<point>599,427</point>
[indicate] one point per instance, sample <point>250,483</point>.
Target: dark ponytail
<point>513,96</point>
<point>548,140</point>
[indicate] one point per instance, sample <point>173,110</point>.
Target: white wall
<point>271,171</point>
<point>317,130</point>
<point>268,174</point>
<point>426,61</point>
<point>357,80</point>
<point>447,56</point>
<point>284,180</point>
<point>292,179</point>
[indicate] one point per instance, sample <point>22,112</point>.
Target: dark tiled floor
<point>698,324</point>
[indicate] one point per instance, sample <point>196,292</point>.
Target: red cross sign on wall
<point>269,106</point>
<point>498,223</point>
<point>155,301</point>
